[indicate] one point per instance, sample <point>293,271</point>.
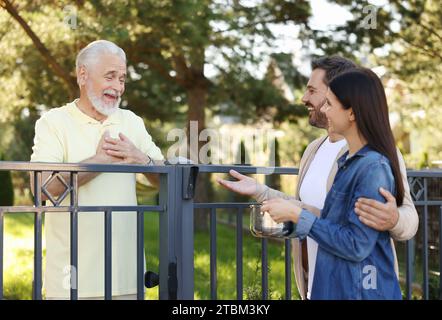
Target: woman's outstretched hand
<point>281,210</point>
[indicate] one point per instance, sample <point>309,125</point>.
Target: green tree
<point>6,189</point>
<point>169,45</point>
<point>405,36</point>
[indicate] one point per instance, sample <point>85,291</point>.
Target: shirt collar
<point>114,118</point>
<point>360,153</point>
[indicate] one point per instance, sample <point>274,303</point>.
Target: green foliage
<point>406,39</point>
<point>415,58</point>
<point>169,44</point>
<point>6,188</point>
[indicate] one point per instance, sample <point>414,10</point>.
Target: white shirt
<point>313,191</point>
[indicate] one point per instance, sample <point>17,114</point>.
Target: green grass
<point>18,255</point>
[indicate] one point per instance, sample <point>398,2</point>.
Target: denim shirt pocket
<point>338,195</point>
<point>338,205</point>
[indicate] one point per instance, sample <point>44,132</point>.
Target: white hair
<point>90,54</point>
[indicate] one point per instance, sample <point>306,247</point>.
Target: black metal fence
<point>425,189</point>
<point>176,223</point>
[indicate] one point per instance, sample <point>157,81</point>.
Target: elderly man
<point>317,171</point>
<point>93,129</point>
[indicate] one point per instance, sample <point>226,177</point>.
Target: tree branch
<point>135,57</point>
<point>253,24</point>
<point>426,51</point>
<point>53,64</point>
<point>430,30</point>
<point>151,56</point>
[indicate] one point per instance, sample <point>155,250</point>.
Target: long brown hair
<point>362,90</point>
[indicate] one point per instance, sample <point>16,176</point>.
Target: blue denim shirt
<point>353,261</point>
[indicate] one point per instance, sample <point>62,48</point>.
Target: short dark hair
<point>333,66</point>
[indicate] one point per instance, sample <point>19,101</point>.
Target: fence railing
<point>239,234</point>
<point>426,191</point>
<point>176,226</point>
<point>166,206</point>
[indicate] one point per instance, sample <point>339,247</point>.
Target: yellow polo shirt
<point>66,134</point>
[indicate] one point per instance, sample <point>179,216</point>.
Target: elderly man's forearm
<point>154,178</point>
<point>55,188</point>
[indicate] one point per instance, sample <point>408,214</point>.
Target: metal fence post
<point>74,236</point>
<point>176,232</point>
<point>410,254</point>
<point>425,244</point>
<point>38,250</point>
<point>186,177</point>
<point>167,268</point>
<point>108,255</point>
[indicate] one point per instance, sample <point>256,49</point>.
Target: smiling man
<point>93,129</point>
<point>317,170</point>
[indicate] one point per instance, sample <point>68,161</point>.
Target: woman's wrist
<point>296,212</point>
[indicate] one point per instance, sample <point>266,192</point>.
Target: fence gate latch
<point>190,174</point>
<point>172,281</point>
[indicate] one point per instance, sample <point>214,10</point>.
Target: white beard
<point>99,105</point>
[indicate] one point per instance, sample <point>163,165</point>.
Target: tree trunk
<point>197,100</point>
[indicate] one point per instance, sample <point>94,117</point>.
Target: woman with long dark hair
<point>354,261</point>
